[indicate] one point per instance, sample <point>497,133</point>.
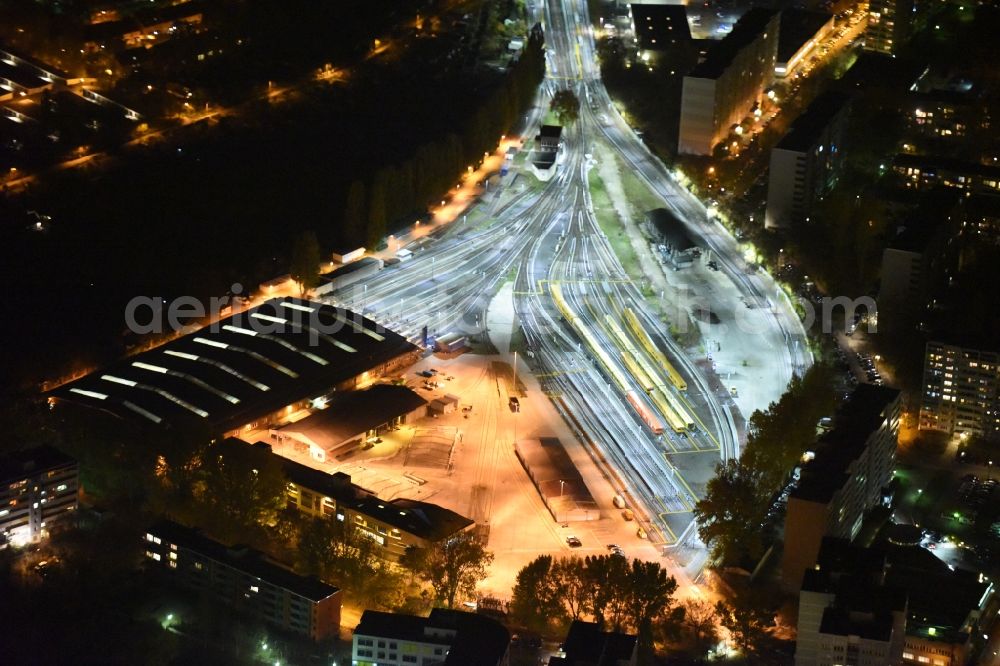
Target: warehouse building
<point>352,418</point>
<point>557,480</point>
<point>247,371</point>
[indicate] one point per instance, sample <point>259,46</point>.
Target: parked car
<point>573,542</point>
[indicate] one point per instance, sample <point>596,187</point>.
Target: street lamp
<point>562,484</point>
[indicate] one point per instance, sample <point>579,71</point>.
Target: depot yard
<point>464,461</point>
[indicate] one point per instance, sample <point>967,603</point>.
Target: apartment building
<point>800,31</point>
<point>720,91</point>
<point>661,32</point>
<point>886,604</point>
<point>244,579</point>
<point>925,172</point>
<point>807,161</point>
<point>445,638</point>
<point>890,25</point>
<point>38,493</point>
<point>847,476</point>
<point>961,390</point>
<point>396,524</point>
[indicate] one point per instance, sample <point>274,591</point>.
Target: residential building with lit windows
<point>445,638</point>
<point>925,172</point>
<point>396,525</point>
<point>961,390</point>
<point>723,89</point>
<point>244,579</point>
<point>807,162</point>
<point>890,25</point>
<point>945,113</point>
<point>38,494</point>
<point>847,476</point>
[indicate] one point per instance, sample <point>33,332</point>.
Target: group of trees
<point>339,552</point>
<point>395,192</point>
<point>731,517</point>
<point>566,105</point>
<point>609,589</point>
<point>635,597</point>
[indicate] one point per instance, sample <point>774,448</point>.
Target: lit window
<point>254,588</point>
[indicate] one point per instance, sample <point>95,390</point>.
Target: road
<point>542,235</point>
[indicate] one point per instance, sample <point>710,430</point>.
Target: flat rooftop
<point>21,76</point>
<point>798,26</point>
<point>17,464</point>
<point>808,127</point>
<point>857,419</point>
<point>657,27</point>
<point>587,644</point>
<point>671,228</point>
<point>241,368</point>
<point>553,471</point>
<point>347,269</point>
<point>242,559</point>
<point>746,30</point>
<point>353,413</point>
<point>473,640</point>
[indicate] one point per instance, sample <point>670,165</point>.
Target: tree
<point>537,600</point>
<point>649,598</point>
<point>649,594</point>
<point>305,261</point>
<point>747,618</point>
<point>566,106</point>
<point>731,515</point>
<point>572,585</point>
<point>455,567</point>
<point>243,484</point>
<point>700,627</point>
<point>606,577</point>
<point>354,213</point>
